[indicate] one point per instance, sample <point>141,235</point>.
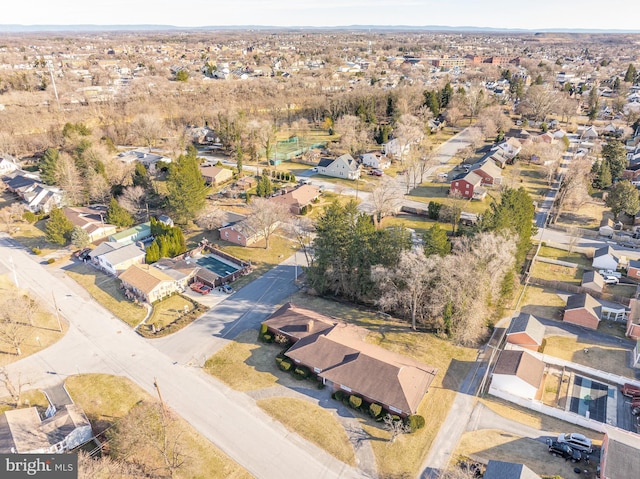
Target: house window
<point>395,409</point>
<point>226,234</point>
<point>238,237</point>
<point>345,388</point>
<point>317,370</point>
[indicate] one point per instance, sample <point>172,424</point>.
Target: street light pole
<point>15,275</point>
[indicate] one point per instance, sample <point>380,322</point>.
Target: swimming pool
<point>219,267</point>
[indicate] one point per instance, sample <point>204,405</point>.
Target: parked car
<point>608,279</point>
<point>314,169</point>
<point>560,449</point>
<point>577,441</point>
<point>225,288</point>
<point>630,390</point>
<point>200,288</point>
<point>82,253</point>
<point>610,272</point>
<point>377,172</point>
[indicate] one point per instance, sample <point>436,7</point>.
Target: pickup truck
<point>610,272</point>
<point>630,390</point>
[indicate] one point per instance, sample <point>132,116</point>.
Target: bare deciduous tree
<point>395,427</point>
<point>386,198</point>
<point>265,217</point>
<point>538,102</point>
<point>14,311</point>
<point>302,229</point>
<point>133,199</point>
<point>13,386</point>
<point>354,137</point>
<point>68,178</point>
<point>147,128</point>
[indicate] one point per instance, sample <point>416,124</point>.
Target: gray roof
<point>325,162</point>
<point>605,251</point>
<point>508,470</point>
<point>526,323</point>
<point>623,455</point>
<point>123,254</point>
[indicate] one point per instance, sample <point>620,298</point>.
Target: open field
<point>312,422</point>
<point>587,216</point>
<point>106,290</point>
<point>43,333</point>
<point>606,358</point>
<point>105,399</point>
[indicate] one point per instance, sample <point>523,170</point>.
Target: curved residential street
<point>99,343</point>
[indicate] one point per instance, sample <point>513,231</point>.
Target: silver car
<point>577,441</point>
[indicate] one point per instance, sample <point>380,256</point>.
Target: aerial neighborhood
<point>321,254</point>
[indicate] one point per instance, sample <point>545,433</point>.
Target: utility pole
<point>55,305</point>
<point>15,275</point>
<point>155,385</point>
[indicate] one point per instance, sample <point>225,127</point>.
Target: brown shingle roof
<point>144,277</point>
<point>520,364</point>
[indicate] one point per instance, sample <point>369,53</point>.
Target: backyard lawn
<point>606,358</point>
<point>105,399</point>
<point>106,290</point>
<point>542,302</point>
<point>428,192</point>
<point>420,224</point>
<point>589,216</point>
<point>563,255</point>
<point>30,398</point>
<point>554,272</point>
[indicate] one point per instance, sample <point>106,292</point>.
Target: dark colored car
<point>225,288</point>
<point>200,288</point>
<point>631,390</point>
<point>564,450</point>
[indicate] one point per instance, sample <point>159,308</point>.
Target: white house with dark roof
<point>605,258</point>
<point>342,167</point>
<point>114,258</point>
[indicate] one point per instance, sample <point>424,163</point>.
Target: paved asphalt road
<point>98,342</point>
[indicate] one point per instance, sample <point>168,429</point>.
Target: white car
<point>610,272</point>
<point>314,169</point>
<point>610,279</point>
<point>577,441</point>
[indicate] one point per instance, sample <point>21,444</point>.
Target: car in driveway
<point>225,288</point>
<point>561,449</point>
<point>608,279</point>
<point>200,288</point>
<point>577,441</point>
<point>376,172</point>
<point>630,390</point>
<point>610,272</point>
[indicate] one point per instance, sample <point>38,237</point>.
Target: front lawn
<point>106,290</point>
<point>428,192</point>
<point>554,272</point>
<point>171,315</point>
<point>312,422</point>
<point>105,399</point>
<point>563,255</point>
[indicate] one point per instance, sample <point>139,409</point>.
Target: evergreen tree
<point>153,253</point>
<point>47,166</point>
<point>264,187</point>
<point>141,176</point>
<point>436,241</point>
<point>514,213</point>
<point>117,215</point>
<point>445,95</point>
<point>239,155</point>
<point>79,237</point>
<point>187,192</point>
<point>615,153</point>
<point>601,175</point>
<point>623,197</point>
<point>632,73</point>
<point>58,228</point>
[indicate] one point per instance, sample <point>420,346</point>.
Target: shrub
<point>415,422</point>
<point>29,217</point>
<point>338,395</point>
<point>267,338</point>
<point>433,210</point>
<point>51,261</point>
<point>355,401</point>
<point>375,410</point>
<point>395,418</point>
<point>301,372</point>
<point>36,250</point>
<point>285,365</point>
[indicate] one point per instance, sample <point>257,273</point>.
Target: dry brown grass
<point>542,302</point>
<point>588,215</point>
<point>606,358</point>
<point>29,398</point>
<point>313,423</point>
<point>501,446</point>
<point>554,272</point>
<point>41,335</point>
<point>169,309</point>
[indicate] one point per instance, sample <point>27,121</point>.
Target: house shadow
<point>457,374</point>
<point>541,311</point>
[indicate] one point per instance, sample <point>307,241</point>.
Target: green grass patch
<point>31,398</point>
<point>428,192</point>
<point>105,399</point>
<point>312,422</point>
<point>171,315</point>
<point>106,290</point>
<point>418,223</point>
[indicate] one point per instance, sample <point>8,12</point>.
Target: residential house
<point>489,171</point>
<point>114,258</point>
<point>148,283</point>
<point>376,159</point>
<point>37,196</point>
<point>150,160</point>
<point>589,133</point>
<point>8,164</point>
<point>605,258</point>
<point>246,183</point>
<point>22,431</point>
<point>396,149</point>
<point>518,373</point>
<point>91,220</point>
<point>620,454</point>
<point>546,137</point>
<point>584,310</point>
<point>508,470</point>
<point>131,235</point>
<point>336,352</point>
<point>468,187</point>
<point>239,232</point>
<point>298,199</point>
<point>342,167</point>
<point>593,280</point>
<point>526,331</point>
<point>633,269</point>
<point>214,175</point>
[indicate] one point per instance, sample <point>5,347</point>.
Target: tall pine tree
<point>187,191</point>
<point>58,228</point>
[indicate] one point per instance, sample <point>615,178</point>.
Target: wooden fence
<point>576,289</point>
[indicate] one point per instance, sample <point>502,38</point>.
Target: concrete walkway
<point>365,459</point>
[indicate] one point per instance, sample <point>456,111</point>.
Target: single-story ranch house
<point>336,352</point>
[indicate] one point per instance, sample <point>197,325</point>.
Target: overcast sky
<point>537,14</point>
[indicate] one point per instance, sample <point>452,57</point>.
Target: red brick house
<point>298,199</point>
<point>336,352</point>
<point>633,270</point>
<point>583,310</point>
<point>526,331</point>
<point>490,173</point>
